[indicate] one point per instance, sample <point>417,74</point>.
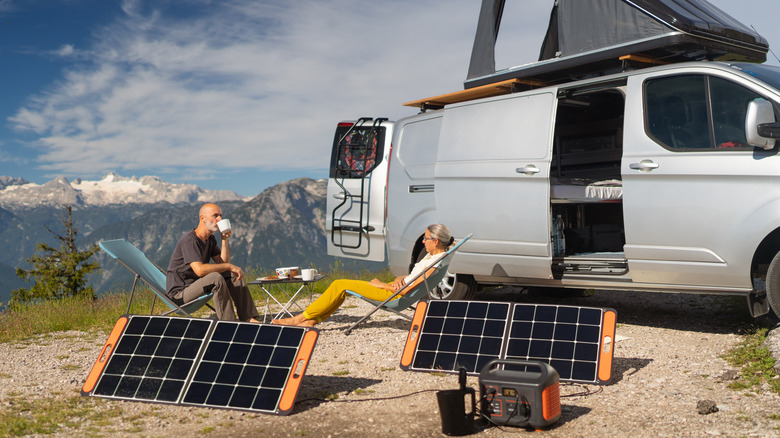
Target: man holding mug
<point>191,273</point>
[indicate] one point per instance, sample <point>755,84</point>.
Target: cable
<point>768,47</point>
<point>585,392</point>
<point>369,399</point>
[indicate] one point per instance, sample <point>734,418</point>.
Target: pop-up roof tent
<point>587,37</point>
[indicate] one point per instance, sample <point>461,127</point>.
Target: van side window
<point>356,152</point>
<point>696,112</point>
<point>729,108</point>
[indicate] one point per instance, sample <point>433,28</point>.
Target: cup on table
<point>282,272</point>
<point>308,274</point>
<point>224,226</point>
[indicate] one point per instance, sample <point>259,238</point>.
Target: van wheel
<point>773,286</point>
<point>455,287</point>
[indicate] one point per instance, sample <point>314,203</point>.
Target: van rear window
<point>356,150</point>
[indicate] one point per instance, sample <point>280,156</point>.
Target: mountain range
<point>112,189</point>
<point>282,226</point>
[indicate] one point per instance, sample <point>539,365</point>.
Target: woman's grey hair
<point>441,232</point>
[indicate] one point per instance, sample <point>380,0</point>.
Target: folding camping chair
<point>136,262</point>
<point>418,288</point>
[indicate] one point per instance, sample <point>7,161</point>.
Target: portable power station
<point>520,393</point>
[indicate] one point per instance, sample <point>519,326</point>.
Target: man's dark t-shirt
<point>189,249</point>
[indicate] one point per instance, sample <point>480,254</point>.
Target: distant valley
<point>282,226</point>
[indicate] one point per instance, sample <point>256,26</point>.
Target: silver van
<point>665,179</point>
<point>661,178</point>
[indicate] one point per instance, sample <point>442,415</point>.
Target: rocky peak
<point>6,181</point>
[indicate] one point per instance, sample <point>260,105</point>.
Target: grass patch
<point>340,373</point>
<point>28,320</point>
<point>755,361</point>
<point>22,416</point>
<point>361,391</point>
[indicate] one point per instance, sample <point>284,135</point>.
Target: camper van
<point>662,178</point>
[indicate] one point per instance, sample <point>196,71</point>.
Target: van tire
<point>773,286</point>
<point>455,287</point>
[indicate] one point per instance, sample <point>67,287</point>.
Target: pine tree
<point>58,273</point>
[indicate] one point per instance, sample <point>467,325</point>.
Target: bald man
<point>191,273</point>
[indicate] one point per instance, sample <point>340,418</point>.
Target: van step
<point>606,263</point>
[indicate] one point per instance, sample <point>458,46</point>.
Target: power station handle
<point>543,367</point>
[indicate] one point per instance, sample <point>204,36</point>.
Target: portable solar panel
<point>202,362</point>
<point>447,335</point>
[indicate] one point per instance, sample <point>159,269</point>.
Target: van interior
<point>585,182</point>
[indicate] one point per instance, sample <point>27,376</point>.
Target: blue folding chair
<point>417,289</point>
<point>136,262</point>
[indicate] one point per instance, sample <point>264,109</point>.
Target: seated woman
<point>437,240</point>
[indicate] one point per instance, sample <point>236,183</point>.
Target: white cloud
<point>65,50</point>
<point>245,84</point>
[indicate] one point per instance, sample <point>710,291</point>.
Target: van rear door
<point>355,219</point>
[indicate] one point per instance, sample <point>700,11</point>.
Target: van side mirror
<point>761,129</point>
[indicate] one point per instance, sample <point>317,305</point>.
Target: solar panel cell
<point>179,369</point>
<point>259,355</point>
<point>245,334</point>
<point>197,329</point>
<point>149,388</point>
<point>238,353</point>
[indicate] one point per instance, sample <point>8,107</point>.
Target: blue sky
<point>235,94</point>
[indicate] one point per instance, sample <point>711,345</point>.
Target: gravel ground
<point>667,360</point>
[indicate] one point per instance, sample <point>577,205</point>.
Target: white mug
<point>308,274</point>
<point>224,226</point>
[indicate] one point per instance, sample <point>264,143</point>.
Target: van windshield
<point>765,73</point>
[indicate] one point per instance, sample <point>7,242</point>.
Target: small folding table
<point>269,284</point>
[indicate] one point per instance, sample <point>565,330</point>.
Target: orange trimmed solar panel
<point>447,335</point>
<point>202,362</point>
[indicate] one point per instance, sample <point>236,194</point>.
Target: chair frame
<point>157,288</point>
<point>433,274</point>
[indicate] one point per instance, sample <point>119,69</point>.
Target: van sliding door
<point>493,180</point>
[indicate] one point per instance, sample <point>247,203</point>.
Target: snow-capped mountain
<point>112,189</point>
<point>6,181</point>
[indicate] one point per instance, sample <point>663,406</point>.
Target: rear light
<point>345,124</point>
